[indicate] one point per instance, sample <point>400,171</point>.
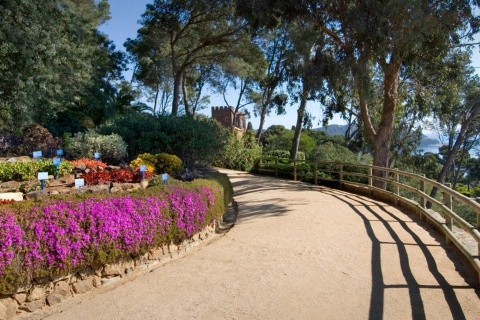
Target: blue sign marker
<point>59,152</point>
<point>79,183</point>
<point>96,155</point>
<point>37,154</point>
<point>143,168</point>
<point>56,163</point>
<point>165,178</point>
<point>42,176</point>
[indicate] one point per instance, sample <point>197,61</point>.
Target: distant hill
<point>334,129</point>
<point>427,141</point>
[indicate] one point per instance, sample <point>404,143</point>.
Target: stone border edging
<point>47,295</point>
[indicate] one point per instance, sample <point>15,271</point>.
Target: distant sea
<point>425,149</point>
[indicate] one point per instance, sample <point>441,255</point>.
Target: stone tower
<point>227,117</point>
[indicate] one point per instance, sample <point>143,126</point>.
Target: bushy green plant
<point>284,154</point>
<point>147,159</point>
<point>34,138</point>
<point>168,163</point>
<point>330,152</point>
<point>111,147</point>
<point>21,171</point>
<point>239,153</point>
<point>192,140</point>
<point>282,140</point>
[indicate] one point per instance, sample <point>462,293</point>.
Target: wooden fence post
<point>478,225</point>
<point>294,170</point>
<point>341,175</point>
<point>396,188</point>
<point>370,179</point>
<point>447,199</point>
<point>422,189</point>
<point>276,167</point>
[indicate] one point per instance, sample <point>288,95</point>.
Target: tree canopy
<point>46,67</point>
<point>371,37</point>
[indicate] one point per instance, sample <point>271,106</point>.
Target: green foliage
<point>111,147</point>
<point>49,67</point>
<point>21,171</point>
<point>330,152</point>
<point>192,140</point>
<point>428,164</point>
<point>209,35</point>
<point>284,154</point>
<point>34,137</point>
<point>239,153</point>
<point>147,159</point>
<point>469,191</point>
<point>168,163</point>
<point>282,140</point>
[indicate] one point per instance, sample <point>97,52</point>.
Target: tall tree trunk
<point>298,127</point>
<point>381,137</point>
<point>382,141</point>
<point>260,127</point>
<point>156,101</point>
<point>177,87</point>
<point>267,96</point>
<point>188,110</point>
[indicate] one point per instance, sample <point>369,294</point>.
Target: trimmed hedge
<point>57,236</point>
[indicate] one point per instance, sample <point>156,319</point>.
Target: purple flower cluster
<point>11,236</point>
<point>190,209</point>
<point>63,233</point>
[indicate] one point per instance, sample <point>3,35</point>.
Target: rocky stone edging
<point>46,292</point>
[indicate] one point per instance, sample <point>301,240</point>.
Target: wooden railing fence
<point>402,188</point>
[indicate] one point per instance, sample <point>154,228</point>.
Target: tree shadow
<point>262,208</point>
<point>247,186</point>
<point>378,284</point>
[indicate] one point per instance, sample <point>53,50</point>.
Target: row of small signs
<point>42,176</point>
<point>38,154</point>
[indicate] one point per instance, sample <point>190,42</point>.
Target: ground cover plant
<point>58,236</point>
<point>21,171</point>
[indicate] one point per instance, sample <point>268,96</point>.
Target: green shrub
<point>192,140</point>
<point>28,170</point>
<point>34,138</point>
<point>168,163</point>
<point>239,153</point>
<point>111,147</point>
<point>147,159</point>
<point>284,154</point>
<point>330,152</point>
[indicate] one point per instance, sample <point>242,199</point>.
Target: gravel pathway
<point>299,252</point>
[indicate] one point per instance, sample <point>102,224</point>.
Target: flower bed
<point>57,236</point>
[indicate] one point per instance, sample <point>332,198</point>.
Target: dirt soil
<point>299,252</point>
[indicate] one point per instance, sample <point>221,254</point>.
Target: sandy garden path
<point>299,252</point>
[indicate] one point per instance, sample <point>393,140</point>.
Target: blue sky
<point>124,24</point>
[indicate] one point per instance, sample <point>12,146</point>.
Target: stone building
<point>227,117</point>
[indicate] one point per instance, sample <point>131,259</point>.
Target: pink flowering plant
<point>63,235</point>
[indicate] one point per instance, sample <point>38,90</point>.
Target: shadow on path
<point>378,285</point>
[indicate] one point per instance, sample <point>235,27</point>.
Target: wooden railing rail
<point>397,181</point>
